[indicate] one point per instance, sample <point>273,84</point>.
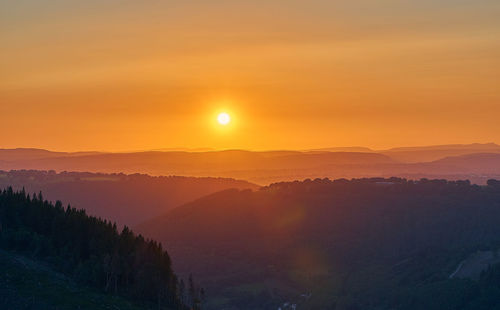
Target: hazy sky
<point>128,75</point>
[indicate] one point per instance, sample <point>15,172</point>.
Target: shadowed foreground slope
<point>87,250</point>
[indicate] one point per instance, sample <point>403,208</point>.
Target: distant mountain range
<point>344,149</point>
<point>265,167</point>
<point>21,154</point>
<point>436,152</point>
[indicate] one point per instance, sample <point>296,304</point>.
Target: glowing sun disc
<point>223,118</point>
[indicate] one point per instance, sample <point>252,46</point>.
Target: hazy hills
<point>436,152</point>
<point>482,163</point>
<point>21,154</point>
<point>360,244</point>
<point>126,199</point>
<point>274,166</point>
<point>167,162</point>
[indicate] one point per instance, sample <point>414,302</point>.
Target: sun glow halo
<point>223,118</point>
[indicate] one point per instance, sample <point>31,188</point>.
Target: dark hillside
<point>359,244</point>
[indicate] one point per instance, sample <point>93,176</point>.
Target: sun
<point>223,118</point>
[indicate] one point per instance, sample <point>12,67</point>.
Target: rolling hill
<point>360,244</point>
<point>478,163</point>
<point>125,199</point>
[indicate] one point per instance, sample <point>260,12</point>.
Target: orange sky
<point>134,75</point>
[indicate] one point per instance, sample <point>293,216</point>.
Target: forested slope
<point>359,244</point>
<point>91,251</point>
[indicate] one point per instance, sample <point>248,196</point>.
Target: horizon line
<point>213,149</point>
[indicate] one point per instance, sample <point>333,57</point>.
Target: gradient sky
<point>134,75</point>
